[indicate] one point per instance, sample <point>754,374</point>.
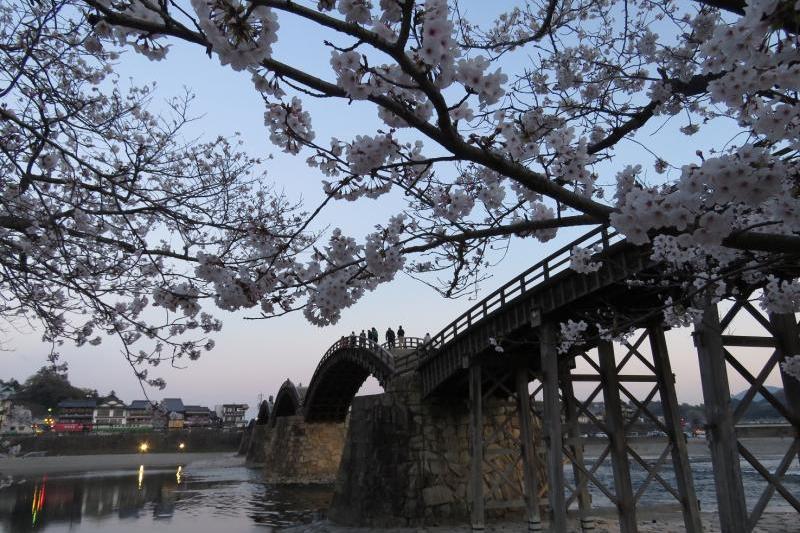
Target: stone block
<point>437,495</point>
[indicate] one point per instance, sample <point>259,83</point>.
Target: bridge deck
<point>549,289</point>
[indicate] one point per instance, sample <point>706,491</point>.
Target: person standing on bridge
<point>390,337</point>
<point>374,333</point>
<point>362,339</point>
<point>401,337</point>
<point>426,342</point>
<point>352,339</point>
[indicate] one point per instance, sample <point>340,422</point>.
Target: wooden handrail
<point>517,287</point>
<point>354,341</point>
<point>408,342</point>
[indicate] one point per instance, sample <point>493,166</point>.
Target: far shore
<point>22,466</point>
<point>31,466</point>
<point>696,447</point>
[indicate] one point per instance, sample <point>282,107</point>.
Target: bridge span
<point>480,422</point>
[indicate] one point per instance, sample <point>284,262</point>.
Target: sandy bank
<point>18,466</point>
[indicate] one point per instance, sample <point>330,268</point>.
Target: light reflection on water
<point>180,500</point>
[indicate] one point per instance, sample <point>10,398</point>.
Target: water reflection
<point>181,499</point>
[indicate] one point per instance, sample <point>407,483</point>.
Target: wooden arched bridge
<point>481,419</point>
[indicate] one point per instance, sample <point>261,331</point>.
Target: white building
<point>110,412</point>
<point>17,421</point>
<point>232,414</point>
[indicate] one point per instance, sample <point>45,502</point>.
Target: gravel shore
<point>663,522</point>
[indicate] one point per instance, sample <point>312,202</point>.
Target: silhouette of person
<point>390,337</point>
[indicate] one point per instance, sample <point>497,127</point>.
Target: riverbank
<point>659,522</point>
<point>32,466</point>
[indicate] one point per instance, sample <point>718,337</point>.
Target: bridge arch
<point>263,413</point>
<point>339,375</point>
<point>287,402</point>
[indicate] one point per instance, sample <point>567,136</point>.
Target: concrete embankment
<point>32,466</point>
<point>164,442</point>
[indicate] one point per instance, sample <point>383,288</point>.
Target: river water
<point>207,497</point>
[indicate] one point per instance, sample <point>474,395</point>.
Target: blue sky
<point>256,356</point>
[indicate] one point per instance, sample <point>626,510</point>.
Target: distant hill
<point>758,397</point>
<point>760,408</point>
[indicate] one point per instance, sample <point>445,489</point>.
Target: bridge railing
<point>602,237</point>
<point>407,343</point>
<point>352,341</point>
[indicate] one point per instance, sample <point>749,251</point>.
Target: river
<point>225,496</point>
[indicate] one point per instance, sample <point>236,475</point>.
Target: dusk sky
<point>256,356</point>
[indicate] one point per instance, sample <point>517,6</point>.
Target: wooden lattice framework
<point>610,376</point>
<point>779,338</point>
<point>553,401</point>
<point>491,457</point>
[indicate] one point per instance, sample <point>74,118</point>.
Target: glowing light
<point>141,476</point>
<point>143,447</point>
<point>181,446</point>
<point>179,474</point>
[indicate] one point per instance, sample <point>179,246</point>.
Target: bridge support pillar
<point>255,445</point>
<point>552,427</point>
<point>576,449</point>
<point>476,448</point>
<point>626,505</point>
<point>414,461</point>
<point>669,404</point>
<point>296,451</point>
<point>787,337</point>
<point>720,423</point>
<point>529,462</point>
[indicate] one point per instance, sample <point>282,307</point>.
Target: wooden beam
<point>575,443</point>
<point>526,436</point>
<point>621,378</point>
<point>552,422</point>
<point>720,427</point>
<point>626,505</point>
<point>787,339</point>
<point>672,421</point>
<point>476,440</point>
<point>750,341</point>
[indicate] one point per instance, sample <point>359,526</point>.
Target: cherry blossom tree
<point>106,211</point>
<point>511,126</point>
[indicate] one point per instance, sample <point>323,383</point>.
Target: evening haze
<point>256,356</point>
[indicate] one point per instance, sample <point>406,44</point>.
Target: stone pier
<point>296,451</point>
<point>407,462</point>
